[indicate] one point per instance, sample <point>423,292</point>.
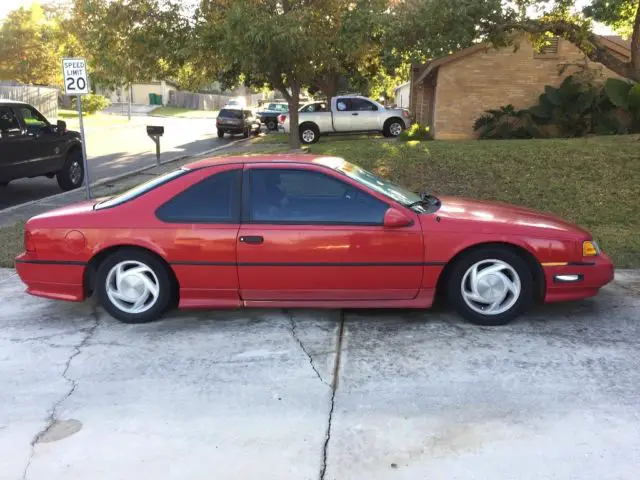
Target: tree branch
<point>586,41</point>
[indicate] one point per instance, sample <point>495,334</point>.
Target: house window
<point>548,51</point>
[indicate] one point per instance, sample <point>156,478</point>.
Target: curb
<point>121,176</point>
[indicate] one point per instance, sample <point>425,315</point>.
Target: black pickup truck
<point>30,146</point>
<point>269,116</point>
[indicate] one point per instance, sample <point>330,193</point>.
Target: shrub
<point>505,123</point>
<point>92,103</point>
<point>416,132</point>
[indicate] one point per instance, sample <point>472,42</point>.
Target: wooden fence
<point>45,99</point>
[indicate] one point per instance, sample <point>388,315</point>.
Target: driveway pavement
<point>121,148</point>
<point>260,394</point>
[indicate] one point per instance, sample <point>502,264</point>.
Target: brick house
<point>451,92</point>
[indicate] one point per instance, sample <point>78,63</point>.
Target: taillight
<point>217,121</point>
<point>405,113</point>
<point>29,244</point>
<point>282,118</point>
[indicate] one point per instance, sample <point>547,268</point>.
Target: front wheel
<point>133,286</point>
<point>393,128</point>
<point>490,286</point>
<point>72,173</point>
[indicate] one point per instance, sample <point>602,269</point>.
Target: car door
<point>312,234</point>
<point>12,146</point>
<point>364,115</point>
<point>199,230</point>
<point>342,115</point>
<point>43,148</point>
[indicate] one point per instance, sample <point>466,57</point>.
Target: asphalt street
<point>119,148</point>
<point>273,394</point>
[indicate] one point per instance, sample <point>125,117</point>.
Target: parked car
<point>237,102</point>
<point>350,114</point>
<point>269,116</point>
<point>304,231</point>
<point>309,107</point>
<point>237,121</point>
<point>30,146</point>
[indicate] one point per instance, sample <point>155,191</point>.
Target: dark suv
<point>31,147</point>
<point>236,121</point>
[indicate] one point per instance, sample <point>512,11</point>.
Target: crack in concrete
<point>297,339</point>
<point>53,413</point>
<point>334,388</point>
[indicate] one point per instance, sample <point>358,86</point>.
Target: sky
<point>7,5</point>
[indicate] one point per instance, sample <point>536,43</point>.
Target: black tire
<point>390,128</point>
<point>309,133</point>
<point>516,305</point>
<point>272,125</point>
<point>220,134</point>
<point>72,174</point>
<point>159,269</point>
<point>245,134</point>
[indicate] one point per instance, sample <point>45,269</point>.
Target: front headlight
<point>590,249</point>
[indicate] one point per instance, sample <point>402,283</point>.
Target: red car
<point>303,231</point>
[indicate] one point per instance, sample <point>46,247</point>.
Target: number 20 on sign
<point>74,72</point>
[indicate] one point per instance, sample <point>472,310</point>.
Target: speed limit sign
<point>74,72</point>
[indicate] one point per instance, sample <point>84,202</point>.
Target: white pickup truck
<point>348,114</point>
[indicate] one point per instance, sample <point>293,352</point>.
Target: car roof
<point>12,102</point>
<point>275,158</point>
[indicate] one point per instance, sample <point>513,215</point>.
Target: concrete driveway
<point>261,394</point>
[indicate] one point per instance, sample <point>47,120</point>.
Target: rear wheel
<point>133,286</point>
<point>272,125</point>
<point>220,134</point>
<point>309,133</point>
<point>490,286</point>
<point>72,173</point>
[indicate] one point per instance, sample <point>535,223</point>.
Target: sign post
<point>76,83</point>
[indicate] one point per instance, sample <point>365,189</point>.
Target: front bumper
<point>575,281</point>
<point>56,280</point>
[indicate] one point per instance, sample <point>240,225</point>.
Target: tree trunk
<point>294,105</point>
<point>635,46</point>
<point>293,100</point>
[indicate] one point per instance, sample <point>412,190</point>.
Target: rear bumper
<point>56,280</point>
<point>575,281</point>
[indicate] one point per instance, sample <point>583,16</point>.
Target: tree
<point>28,48</point>
<point>562,20</point>
<point>130,41</point>
<point>279,43</point>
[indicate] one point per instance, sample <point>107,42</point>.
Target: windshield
<point>230,113</point>
<point>385,187</point>
<point>139,189</point>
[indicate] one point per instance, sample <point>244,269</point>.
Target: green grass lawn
<point>94,120</point>
<point>183,113</point>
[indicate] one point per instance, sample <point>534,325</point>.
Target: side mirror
<point>62,126</point>
<point>394,218</point>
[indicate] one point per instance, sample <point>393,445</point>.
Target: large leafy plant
<point>506,122</point>
<point>625,96</point>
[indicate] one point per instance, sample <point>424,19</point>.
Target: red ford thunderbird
<point>303,231</point>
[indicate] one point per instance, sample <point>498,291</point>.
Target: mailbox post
<point>154,133</point>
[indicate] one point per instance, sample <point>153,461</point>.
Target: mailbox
<point>155,130</point>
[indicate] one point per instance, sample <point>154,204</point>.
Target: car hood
<point>493,216</point>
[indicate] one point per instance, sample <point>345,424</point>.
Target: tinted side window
<point>8,121</point>
<point>212,200</point>
<point>32,118</point>
<point>361,105</point>
<point>306,197</point>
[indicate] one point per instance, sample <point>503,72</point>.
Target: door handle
<point>354,114</point>
<point>255,240</point>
